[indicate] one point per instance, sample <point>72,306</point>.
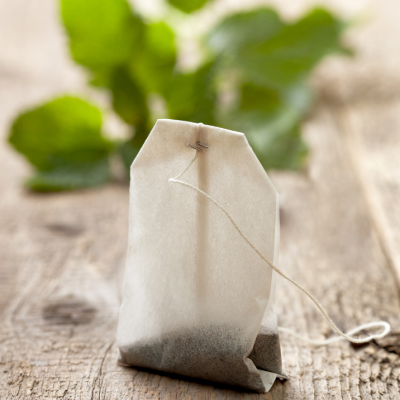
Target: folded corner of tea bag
<point>282,377</point>
<point>268,379</point>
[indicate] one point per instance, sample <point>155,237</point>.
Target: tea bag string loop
<point>343,335</point>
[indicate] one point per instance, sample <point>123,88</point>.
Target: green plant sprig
<point>265,61</point>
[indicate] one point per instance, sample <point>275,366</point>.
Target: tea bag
<point>195,293</point>
<point>201,263</point>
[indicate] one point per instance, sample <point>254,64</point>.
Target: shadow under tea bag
<point>198,300</point>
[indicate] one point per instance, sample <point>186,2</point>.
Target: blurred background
<point>96,75</point>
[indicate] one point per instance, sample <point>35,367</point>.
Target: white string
<point>360,328</point>
<point>343,335</point>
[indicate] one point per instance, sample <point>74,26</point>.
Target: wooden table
<point>62,255</point>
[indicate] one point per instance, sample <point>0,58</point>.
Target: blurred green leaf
<point>254,55</point>
<point>272,60</point>
<point>188,6</point>
<point>71,176</point>
<point>271,53</point>
<point>103,33</point>
<point>280,149</point>
<point>152,64</point>
<point>271,121</point>
<point>286,107</point>
<point>63,140</point>
<point>129,100</point>
<point>242,29</point>
<point>289,56</point>
<point>192,96</point>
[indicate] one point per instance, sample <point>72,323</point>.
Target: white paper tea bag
<point>195,293</point>
<point>203,247</point>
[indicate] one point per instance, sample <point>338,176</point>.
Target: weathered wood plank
<point>62,257</point>
<point>363,92</point>
<point>373,140</point>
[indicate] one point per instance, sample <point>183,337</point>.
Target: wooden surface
<point>62,255</point>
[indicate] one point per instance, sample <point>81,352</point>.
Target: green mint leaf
<point>281,150</point>
<point>188,6</point>
<point>239,30</point>
<point>289,57</point>
<point>71,176</point>
<point>271,60</point>
<point>103,33</point>
<point>192,96</point>
<point>62,140</point>
<point>288,105</point>
<point>129,100</point>
<point>271,53</point>
<point>153,63</point>
<point>271,122</point>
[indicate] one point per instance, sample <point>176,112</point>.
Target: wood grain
<point>62,255</point>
